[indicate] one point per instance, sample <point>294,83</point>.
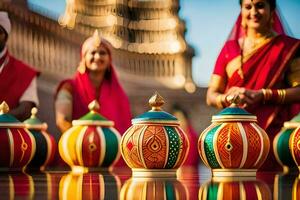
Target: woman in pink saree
<point>260,64</point>
<point>95,79</point>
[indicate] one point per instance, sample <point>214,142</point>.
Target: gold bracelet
<point>267,94</point>
<point>219,101</point>
<point>281,96</point>
<point>264,95</point>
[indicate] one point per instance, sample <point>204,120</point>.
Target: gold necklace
<point>249,44</point>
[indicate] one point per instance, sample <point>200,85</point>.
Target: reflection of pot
<point>45,185</point>
<point>95,186</point>
<point>233,145</point>
<point>17,143</point>
<point>16,186</point>
<point>154,142</point>
<point>45,143</point>
<point>296,189</point>
<point>91,142</point>
<point>236,188</point>
<point>281,144</point>
<point>283,185</point>
<point>158,188</point>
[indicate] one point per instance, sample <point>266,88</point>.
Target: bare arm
<point>292,95</point>
<point>63,108</point>
<point>62,123</point>
<point>214,96</point>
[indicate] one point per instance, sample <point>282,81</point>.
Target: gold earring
<point>81,68</point>
<point>243,23</point>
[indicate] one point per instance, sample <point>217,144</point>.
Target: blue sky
<point>208,25</point>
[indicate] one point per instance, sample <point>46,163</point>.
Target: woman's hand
<point>253,97</point>
<point>247,97</point>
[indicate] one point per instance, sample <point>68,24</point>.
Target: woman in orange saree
<point>260,64</point>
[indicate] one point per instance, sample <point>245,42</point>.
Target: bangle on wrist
<point>219,101</point>
<point>268,94</point>
<point>276,96</point>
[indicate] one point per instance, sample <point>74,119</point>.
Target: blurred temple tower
<point>149,49</point>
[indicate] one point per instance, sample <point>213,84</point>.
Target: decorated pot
<point>281,144</point>
<point>17,143</point>
<point>294,145</point>
<point>45,143</point>
<point>233,145</point>
<point>104,185</point>
<point>235,188</point>
<point>156,188</point>
<point>91,142</point>
<point>154,144</point>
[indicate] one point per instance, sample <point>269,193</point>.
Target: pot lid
<point>156,115</point>
<point>33,122</point>
<point>93,117</point>
<point>7,120</point>
<point>234,112</point>
<point>294,123</point>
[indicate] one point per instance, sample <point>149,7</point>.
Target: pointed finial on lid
<point>234,100</point>
<point>156,101</point>
<point>96,38</point>
<point>34,111</point>
<point>94,106</point>
<point>4,108</point>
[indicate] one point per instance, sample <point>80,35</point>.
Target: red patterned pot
<point>17,143</point>
<point>154,144</point>
<point>45,143</point>
<point>91,142</point>
<point>294,144</point>
<point>233,145</point>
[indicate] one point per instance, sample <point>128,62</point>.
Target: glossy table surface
<point>191,183</point>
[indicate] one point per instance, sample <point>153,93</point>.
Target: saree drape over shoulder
<point>264,67</point>
<point>114,103</point>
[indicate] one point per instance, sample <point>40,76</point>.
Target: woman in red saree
<point>260,64</point>
<point>95,79</point>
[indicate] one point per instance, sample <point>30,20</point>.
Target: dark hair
<point>272,3</point>
<point>6,34</point>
